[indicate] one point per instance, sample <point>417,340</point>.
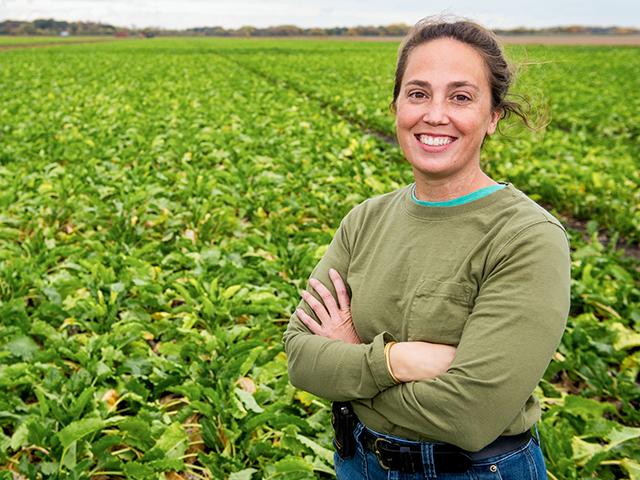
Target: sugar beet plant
<point>162,205</point>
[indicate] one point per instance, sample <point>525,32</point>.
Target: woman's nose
<point>435,113</point>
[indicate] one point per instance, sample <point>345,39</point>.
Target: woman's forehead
<point>446,60</point>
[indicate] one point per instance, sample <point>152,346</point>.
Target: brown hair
<point>484,41</point>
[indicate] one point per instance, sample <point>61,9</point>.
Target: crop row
<point>160,212</point>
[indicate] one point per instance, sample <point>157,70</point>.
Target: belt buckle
<point>379,456</point>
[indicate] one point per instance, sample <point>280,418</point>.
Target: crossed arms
<point>473,391</point>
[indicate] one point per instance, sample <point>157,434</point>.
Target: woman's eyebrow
<point>419,83</point>
<point>463,83</point>
<point>456,84</point>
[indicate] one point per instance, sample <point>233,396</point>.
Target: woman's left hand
<point>336,319</point>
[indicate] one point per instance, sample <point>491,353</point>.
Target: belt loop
<point>535,427</point>
<point>428,461</point>
<point>356,434</point>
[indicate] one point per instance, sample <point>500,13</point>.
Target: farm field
<point>6,40</point>
<point>163,203</point>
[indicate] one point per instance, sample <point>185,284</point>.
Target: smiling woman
<point>437,307</point>
<point>443,113</point>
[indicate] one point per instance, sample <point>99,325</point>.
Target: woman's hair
<point>484,41</point>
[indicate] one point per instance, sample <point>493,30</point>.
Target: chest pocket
<point>439,311</point>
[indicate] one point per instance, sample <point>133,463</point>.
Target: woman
<point>437,307</point>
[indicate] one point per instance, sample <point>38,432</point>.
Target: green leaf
<point>137,433</point>
<point>5,443</point>
<point>43,401</point>
<point>81,402</point>
<point>586,408</point>
<point>245,474</point>
<point>322,452</point>
<point>231,291</point>
<point>632,467</point>
<point>166,464</point>
<point>69,456</point>
<point>20,437</point>
<point>78,429</point>
<point>173,441</point>
<point>626,338</point>
<point>49,468</point>
<point>584,451</point>
<point>209,433</point>
<point>23,347</point>
<point>248,401</point>
<point>292,465</point>
<point>137,471</point>
<point>250,361</point>
<point>622,434</point>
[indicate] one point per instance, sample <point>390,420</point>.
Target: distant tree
<point>396,29</point>
<point>316,31</point>
<point>283,30</point>
<point>337,31</point>
<point>244,31</point>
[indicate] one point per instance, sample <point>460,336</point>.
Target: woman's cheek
<point>407,116</point>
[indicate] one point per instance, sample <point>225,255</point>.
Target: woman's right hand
<point>413,361</point>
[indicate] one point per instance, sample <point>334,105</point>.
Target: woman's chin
<point>433,170</point>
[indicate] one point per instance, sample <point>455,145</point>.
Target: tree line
<point>61,27</point>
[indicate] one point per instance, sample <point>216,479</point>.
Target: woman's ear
<point>493,124</point>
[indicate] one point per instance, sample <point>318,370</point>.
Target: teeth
<point>435,141</point>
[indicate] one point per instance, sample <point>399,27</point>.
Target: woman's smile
<point>434,143</point>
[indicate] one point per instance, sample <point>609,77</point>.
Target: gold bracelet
<point>387,350</point>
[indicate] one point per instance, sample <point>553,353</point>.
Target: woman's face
<point>444,110</point>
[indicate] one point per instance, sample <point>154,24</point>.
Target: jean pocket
<point>518,463</point>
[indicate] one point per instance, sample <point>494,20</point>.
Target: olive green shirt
<point>490,277</point>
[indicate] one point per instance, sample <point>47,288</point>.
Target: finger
<point>316,306</point>
<point>341,289</point>
<point>327,297</point>
<point>308,320</point>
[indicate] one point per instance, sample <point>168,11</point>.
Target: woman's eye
<point>462,98</point>
<point>417,94</point>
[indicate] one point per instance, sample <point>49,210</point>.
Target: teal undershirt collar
<point>469,197</point>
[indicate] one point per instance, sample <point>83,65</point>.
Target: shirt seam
<point>526,227</point>
<point>449,217</point>
<point>462,200</point>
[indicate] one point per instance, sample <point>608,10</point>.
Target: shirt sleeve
<point>506,345</point>
<point>333,369</point>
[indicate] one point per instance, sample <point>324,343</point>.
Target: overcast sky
<point>324,13</point>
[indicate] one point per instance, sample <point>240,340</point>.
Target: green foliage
<point>162,209</point>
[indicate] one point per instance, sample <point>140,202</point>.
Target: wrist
<point>387,357</point>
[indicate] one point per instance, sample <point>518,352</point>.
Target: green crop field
<point>33,40</point>
<point>164,201</point>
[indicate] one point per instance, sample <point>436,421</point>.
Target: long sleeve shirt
<point>490,277</point>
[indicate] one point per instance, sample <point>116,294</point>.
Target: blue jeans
<point>523,463</point>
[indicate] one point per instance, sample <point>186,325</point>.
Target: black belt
<point>407,458</point>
